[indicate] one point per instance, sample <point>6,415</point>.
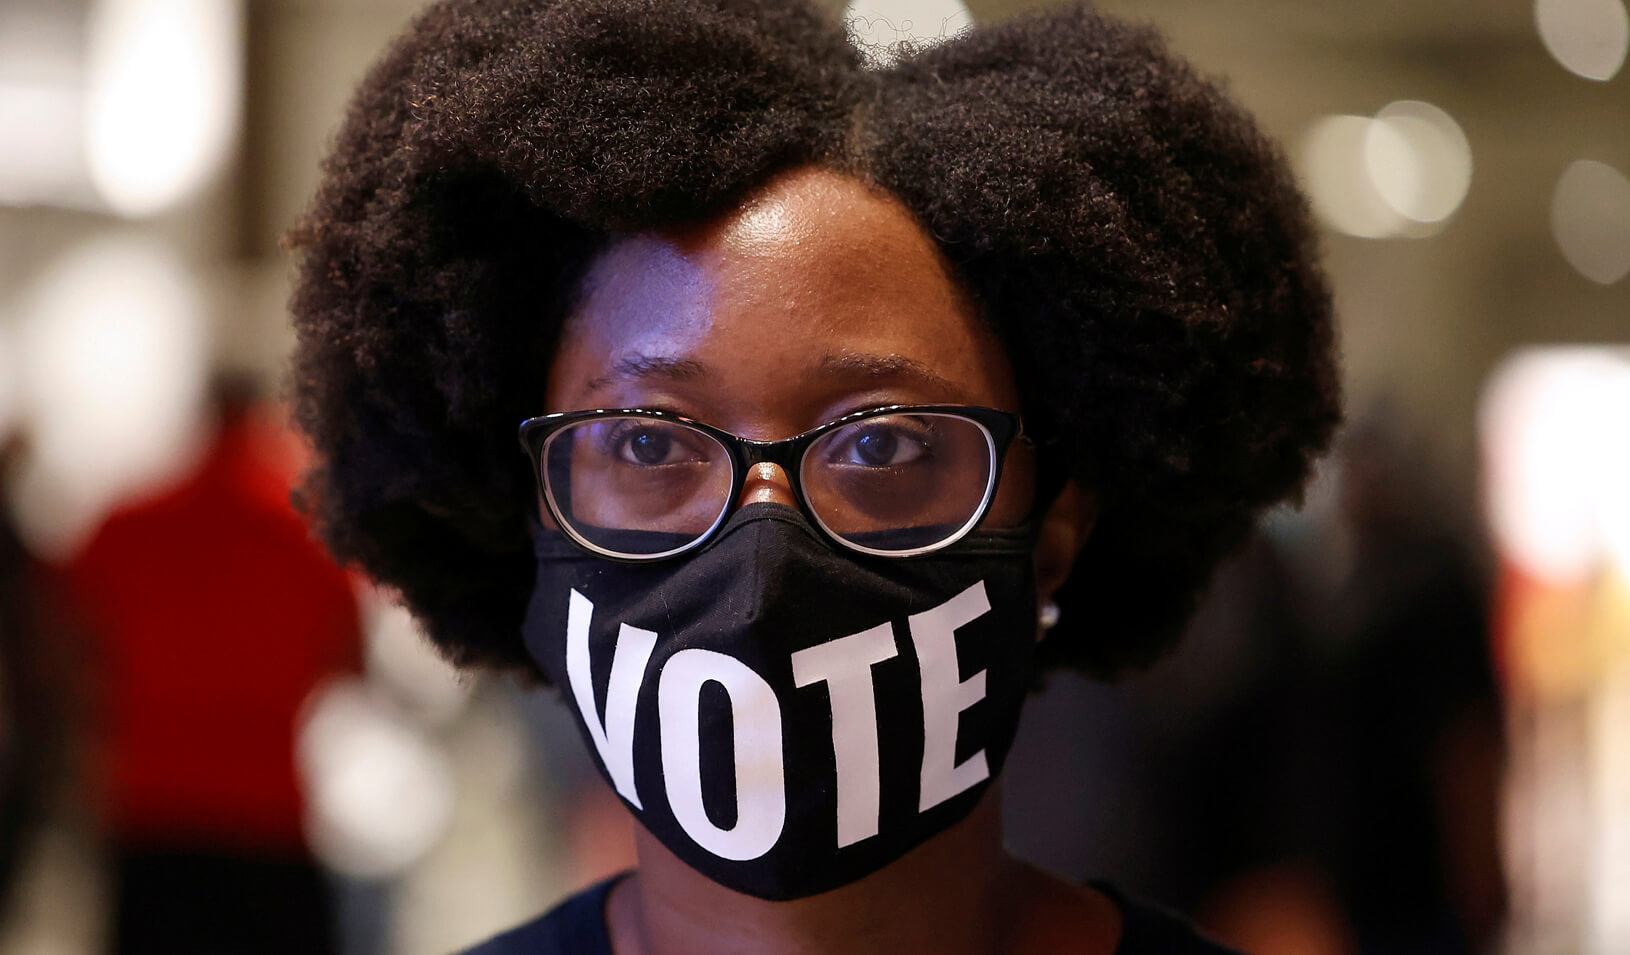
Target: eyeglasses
<point>896,481</point>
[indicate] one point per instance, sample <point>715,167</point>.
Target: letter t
<point>845,666</point>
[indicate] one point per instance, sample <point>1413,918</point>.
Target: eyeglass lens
<point>644,487</point>
<point>898,482</point>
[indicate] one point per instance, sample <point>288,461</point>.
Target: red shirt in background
<point>214,614</point>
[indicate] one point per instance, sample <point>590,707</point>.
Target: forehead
<point>813,290</point>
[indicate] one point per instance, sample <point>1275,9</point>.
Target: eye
<point>646,447</point>
<point>649,444</point>
<point>880,446</point>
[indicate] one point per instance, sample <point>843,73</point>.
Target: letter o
<point>761,796</point>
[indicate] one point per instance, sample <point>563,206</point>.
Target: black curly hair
<point>1139,246</point>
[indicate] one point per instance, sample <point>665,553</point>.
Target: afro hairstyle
<point>1137,243</point>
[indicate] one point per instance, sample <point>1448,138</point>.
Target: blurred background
<point>1400,724</point>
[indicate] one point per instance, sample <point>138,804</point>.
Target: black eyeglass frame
<point>1001,429</point>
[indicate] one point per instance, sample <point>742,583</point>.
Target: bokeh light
<point>1588,37</point>
<point>113,347</point>
<point>1400,173</point>
<point>1338,182</point>
<point>1590,219</point>
<point>1559,460</point>
<point>163,98</point>
<point>1419,160</point>
<point>379,792</point>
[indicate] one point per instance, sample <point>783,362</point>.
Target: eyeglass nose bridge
<point>785,454</point>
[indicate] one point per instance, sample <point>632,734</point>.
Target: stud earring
<point>1048,615</point>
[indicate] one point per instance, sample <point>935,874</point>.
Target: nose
<point>767,483</point>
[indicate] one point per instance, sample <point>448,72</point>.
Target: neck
<point>950,895</point>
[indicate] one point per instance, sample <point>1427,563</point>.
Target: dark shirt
<point>577,926</point>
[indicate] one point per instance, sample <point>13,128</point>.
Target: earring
<point>1048,615</point>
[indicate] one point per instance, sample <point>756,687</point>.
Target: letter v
<point>614,738</point>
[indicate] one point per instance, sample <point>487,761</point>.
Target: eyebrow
<point>639,367</point>
<point>887,366</point>
<point>643,367</point>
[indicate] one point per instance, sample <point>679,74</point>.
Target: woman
<point>852,398</point>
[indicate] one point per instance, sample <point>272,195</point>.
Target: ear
<point>1064,531</point>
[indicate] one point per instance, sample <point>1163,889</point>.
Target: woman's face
<point>816,298</point>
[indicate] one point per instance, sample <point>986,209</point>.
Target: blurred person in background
<point>1398,674</point>
<point>840,388</point>
<point>211,615</point>
<point>1373,703</point>
<point>1317,771</point>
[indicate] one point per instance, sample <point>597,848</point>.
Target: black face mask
<point>784,716</point>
